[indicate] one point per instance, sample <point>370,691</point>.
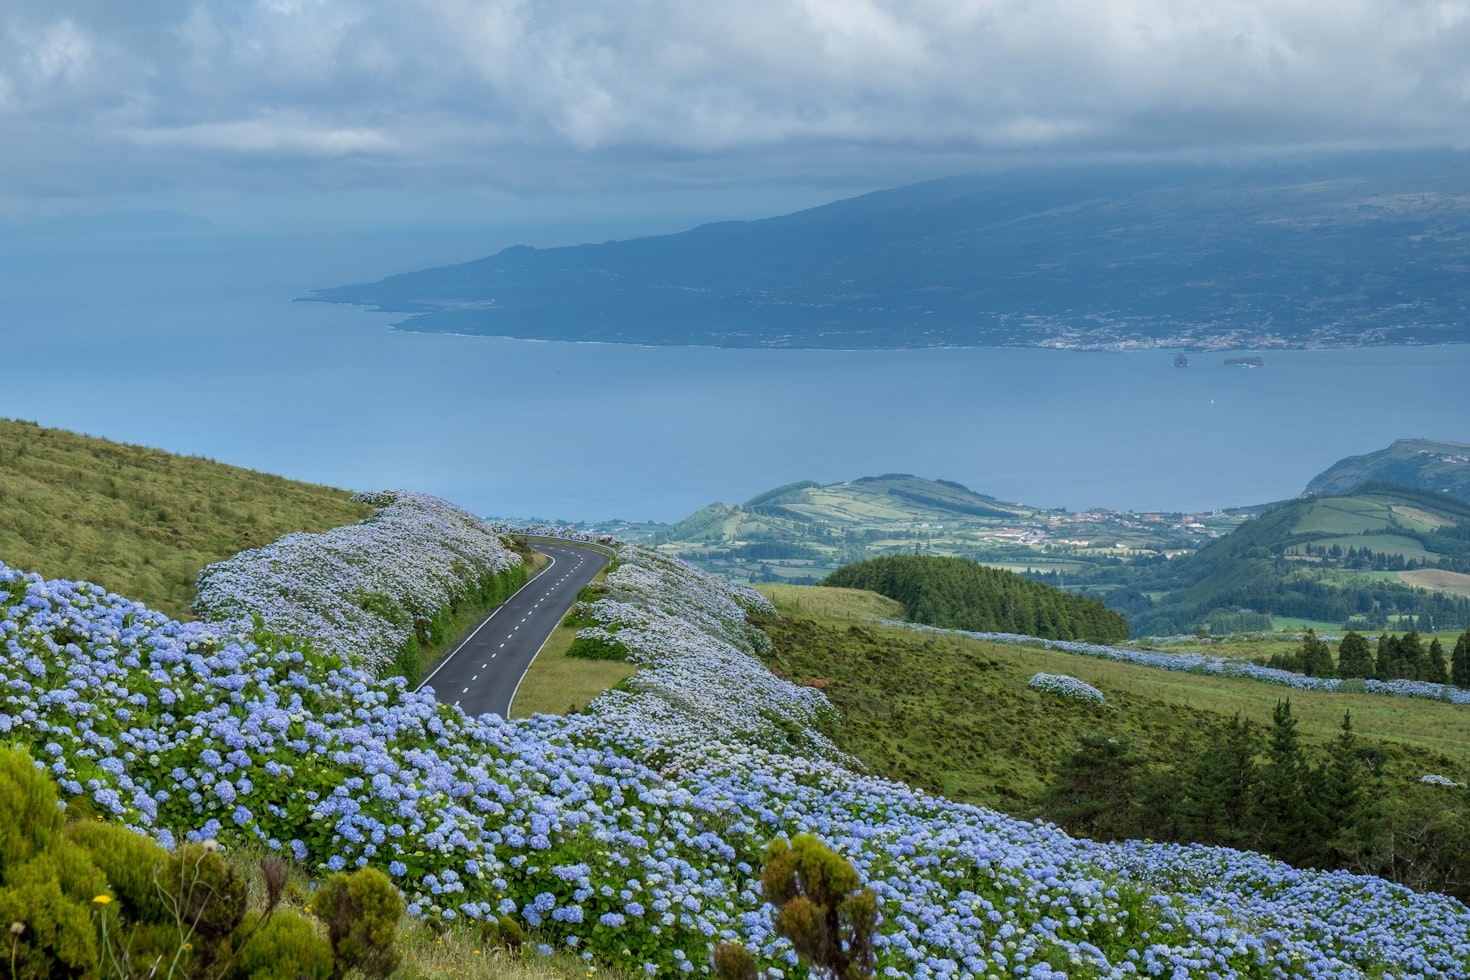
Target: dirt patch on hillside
<point>1442,581</point>
<point>1422,516</point>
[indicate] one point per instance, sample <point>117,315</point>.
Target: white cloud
<point>556,92</point>
<point>268,135</point>
<point>60,51</point>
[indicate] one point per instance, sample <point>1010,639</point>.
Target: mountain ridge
<point>1353,251</point>
<point>1423,464</point>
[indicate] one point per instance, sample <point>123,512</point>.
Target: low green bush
<point>361,912</point>
<point>597,648</point>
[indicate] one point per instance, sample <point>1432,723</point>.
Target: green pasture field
<point>831,605</point>
<point>1343,515</point>
<point>142,522</point>
<point>1288,623</point>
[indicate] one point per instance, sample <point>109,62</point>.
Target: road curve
<point>482,673</point>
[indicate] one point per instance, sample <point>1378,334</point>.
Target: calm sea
<point>195,345</point>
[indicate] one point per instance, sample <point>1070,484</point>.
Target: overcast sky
<point>153,102</point>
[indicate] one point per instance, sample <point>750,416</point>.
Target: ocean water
<point>194,345</point>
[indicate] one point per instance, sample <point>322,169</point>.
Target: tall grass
<point>138,521</point>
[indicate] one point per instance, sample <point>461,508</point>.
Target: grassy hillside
<point>142,522</point>
<point>801,532</point>
<point>953,714</point>
<point>632,832</point>
<point>1424,464</point>
<point>1331,559</point>
<point>956,716</point>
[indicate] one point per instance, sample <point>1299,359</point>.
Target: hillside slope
<point>140,521</point>
<point>1350,251</point>
<point>1329,558</point>
<point>800,532</point>
<point>1423,464</point>
<point>634,831</point>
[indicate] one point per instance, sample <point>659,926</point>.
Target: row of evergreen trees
<point>1262,791</point>
<point>1394,658</point>
<point>1365,559</point>
<point>953,593</point>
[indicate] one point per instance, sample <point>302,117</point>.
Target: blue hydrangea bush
<point>634,832</point>
<point>357,590</point>
<point>1066,686</point>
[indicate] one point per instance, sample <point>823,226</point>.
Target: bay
<point>194,344</point>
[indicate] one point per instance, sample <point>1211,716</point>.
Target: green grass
<point>954,716</point>
<point>139,521</point>
<point>830,604</point>
<point>1343,515</point>
<point>1288,623</point>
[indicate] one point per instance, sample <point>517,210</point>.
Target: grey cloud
<point>515,93</point>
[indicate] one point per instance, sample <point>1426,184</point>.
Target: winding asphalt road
<point>482,673</point>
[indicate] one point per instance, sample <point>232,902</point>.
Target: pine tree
<point>1094,792</point>
<point>1411,652</point>
<point>1436,669</point>
<point>1460,662</point>
<point>1215,802</point>
<point>1280,811</point>
<point>1338,801</point>
<point>1315,657</point>
<point>1354,656</point>
<point>1386,665</point>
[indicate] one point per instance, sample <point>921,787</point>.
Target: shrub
<point>504,932</point>
<point>204,896</point>
<point>821,907</point>
<point>590,646</point>
<point>361,911</point>
<point>46,887</point>
<point>283,947</point>
<point>734,962</point>
<point>57,938</point>
<point>1067,687</point>
<point>131,862</point>
<point>29,819</point>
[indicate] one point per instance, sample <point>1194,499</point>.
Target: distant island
<point>1246,361</point>
<point>1348,252</point>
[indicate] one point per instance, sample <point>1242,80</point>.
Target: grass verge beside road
<point>556,684</point>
